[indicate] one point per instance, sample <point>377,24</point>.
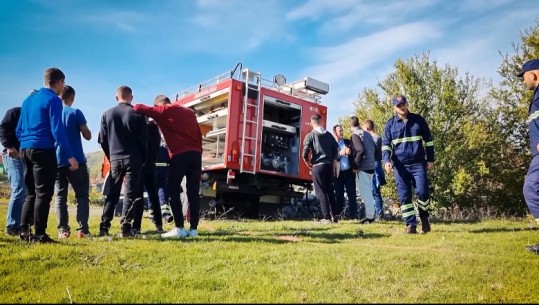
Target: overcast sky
<point>163,47</point>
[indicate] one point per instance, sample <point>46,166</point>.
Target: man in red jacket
<point>182,134</point>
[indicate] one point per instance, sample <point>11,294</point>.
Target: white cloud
<point>122,20</point>
<point>236,26</point>
<point>376,13</point>
<point>479,5</point>
<point>356,64</point>
<point>312,9</point>
<point>346,60</point>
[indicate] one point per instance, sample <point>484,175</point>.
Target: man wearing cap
<point>408,149</point>
<point>530,75</point>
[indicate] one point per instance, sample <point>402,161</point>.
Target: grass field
<point>278,262</point>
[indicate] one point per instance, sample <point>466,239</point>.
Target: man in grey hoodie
<point>320,153</point>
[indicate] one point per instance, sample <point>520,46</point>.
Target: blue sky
<point>163,47</point>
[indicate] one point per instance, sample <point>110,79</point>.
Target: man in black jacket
<point>123,137</point>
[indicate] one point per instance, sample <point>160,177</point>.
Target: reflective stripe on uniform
<point>385,147</point>
<point>429,143</point>
<point>424,205</point>
<point>407,139</point>
<point>161,164</point>
<point>533,116</point>
<point>407,209</point>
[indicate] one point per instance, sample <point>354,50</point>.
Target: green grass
<point>278,262</point>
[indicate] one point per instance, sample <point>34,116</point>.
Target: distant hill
<point>94,161</point>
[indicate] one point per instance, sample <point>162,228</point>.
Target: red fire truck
<point>252,134</point>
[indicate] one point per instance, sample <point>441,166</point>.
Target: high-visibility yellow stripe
<point>385,147</point>
<point>424,208</point>
<point>407,206</point>
<point>407,139</point>
<point>429,143</point>
<point>424,203</point>
<point>161,164</point>
<point>533,116</point>
<point>408,214</point>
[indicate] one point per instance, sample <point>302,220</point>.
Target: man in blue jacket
<point>75,126</point>
<point>530,75</point>
<point>408,149</point>
<point>40,131</point>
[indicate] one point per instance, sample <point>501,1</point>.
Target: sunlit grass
<point>278,262</point>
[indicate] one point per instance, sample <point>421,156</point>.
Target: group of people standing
<point>43,154</point>
<point>406,148</point>
<point>130,137</point>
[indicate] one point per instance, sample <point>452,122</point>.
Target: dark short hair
<point>53,75</point>
<point>67,92</point>
<point>124,91</point>
<point>335,127</point>
<point>369,124</point>
<point>354,121</point>
<point>316,117</point>
<point>161,99</point>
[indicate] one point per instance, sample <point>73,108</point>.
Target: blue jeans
<point>15,175</point>
<point>80,182</point>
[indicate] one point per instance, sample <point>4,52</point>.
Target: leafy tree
<point>467,137</point>
<point>511,100</point>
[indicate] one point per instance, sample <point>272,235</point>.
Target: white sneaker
<point>324,222</point>
<point>193,233</point>
<point>176,232</point>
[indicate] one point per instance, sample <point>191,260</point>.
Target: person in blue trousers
<point>408,150</point>
<point>530,76</point>
<point>14,166</point>
<point>379,178</point>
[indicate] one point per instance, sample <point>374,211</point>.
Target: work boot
<point>410,229</point>
<point>533,248</point>
<point>103,233</point>
<point>366,220</point>
<point>425,225</point>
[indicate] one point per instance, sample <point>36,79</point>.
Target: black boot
<point>410,229</point>
<point>425,225</point>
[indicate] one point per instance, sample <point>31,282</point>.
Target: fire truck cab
<point>252,134</point>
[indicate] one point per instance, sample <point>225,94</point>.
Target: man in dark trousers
<point>530,75</point>
<point>40,131</point>
<point>347,177</point>
<point>320,152</point>
<point>149,181</point>
<point>180,129</point>
<point>124,139</point>
<point>75,126</point>
<point>408,151</point>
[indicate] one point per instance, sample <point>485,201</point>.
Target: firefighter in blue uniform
<point>408,149</point>
<point>530,75</point>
